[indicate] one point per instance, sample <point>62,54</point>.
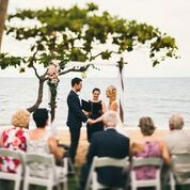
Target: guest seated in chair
<point>178,144</point>
<point>148,146</point>
<point>107,143</point>
<point>15,138</point>
<point>40,140</point>
<point>177,140</point>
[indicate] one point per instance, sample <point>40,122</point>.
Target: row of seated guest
<point>176,142</point>
<point>110,143</point>
<point>18,137</point>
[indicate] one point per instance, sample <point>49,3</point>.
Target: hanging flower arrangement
<point>53,78</point>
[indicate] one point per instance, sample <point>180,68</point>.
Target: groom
<point>75,116</point>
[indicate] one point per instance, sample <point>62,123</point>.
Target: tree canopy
<point>80,34</point>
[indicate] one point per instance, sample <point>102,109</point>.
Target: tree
<point>3,14</point>
<point>80,34</point>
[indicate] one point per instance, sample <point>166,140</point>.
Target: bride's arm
<point>113,106</point>
<point>99,119</point>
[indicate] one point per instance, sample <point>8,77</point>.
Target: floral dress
<point>14,138</point>
<point>40,146</point>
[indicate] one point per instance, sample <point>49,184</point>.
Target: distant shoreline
<point>142,96</point>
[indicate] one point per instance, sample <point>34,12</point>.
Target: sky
<point>170,16</point>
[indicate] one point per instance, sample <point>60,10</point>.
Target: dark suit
<point>108,143</point>
<point>74,121</point>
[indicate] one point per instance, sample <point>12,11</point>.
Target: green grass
<point>73,183</point>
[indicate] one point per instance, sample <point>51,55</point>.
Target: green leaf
<point>106,55</point>
<point>82,34</point>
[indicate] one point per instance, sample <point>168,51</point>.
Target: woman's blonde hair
<point>112,92</point>
<point>21,118</point>
<point>146,125</point>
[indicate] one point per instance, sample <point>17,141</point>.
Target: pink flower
<point>53,71</point>
<point>16,142</point>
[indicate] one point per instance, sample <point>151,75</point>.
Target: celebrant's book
<point>90,106</point>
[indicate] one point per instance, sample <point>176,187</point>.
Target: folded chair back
<point>99,162</point>
<point>144,162</point>
<point>41,170</point>
<point>180,170</point>
<point>16,177</point>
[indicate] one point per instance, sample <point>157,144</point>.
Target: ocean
<point>158,98</point>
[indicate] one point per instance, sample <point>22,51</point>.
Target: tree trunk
<point>52,106</point>
<point>40,95</point>
<point>53,95</point>
<point>3,14</point>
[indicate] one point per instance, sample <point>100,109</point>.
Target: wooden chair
<point>139,162</point>
<point>41,170</point>
<point>92,182</point>
<point>16,177</point>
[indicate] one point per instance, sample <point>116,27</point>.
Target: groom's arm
<point>74,104</point>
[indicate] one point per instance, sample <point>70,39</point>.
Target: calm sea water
<point>155,97</point>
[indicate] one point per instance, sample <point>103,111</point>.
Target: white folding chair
<point>180,170</point>
<point>98,162</point>
<point>151,161</point>
<point>16,177</point>
<point>41,170</point>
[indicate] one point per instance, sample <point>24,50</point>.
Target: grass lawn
<point>72,184</point>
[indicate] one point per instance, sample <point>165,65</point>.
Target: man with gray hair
<point>177,140</point>
<point>107,143</point>
<point>110,119</point>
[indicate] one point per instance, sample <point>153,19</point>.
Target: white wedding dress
<point>120,126</point>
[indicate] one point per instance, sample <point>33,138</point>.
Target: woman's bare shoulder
<point>138,143</point>
<point>137,146</point>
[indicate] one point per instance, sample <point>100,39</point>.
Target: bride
<point>111,93</point>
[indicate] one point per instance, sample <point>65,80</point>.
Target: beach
<point>131,132</point>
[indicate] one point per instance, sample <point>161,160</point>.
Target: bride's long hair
<point>111,93</point>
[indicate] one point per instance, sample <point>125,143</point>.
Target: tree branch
<point>77,69</point>
<point>31,64</point>
<point>35,71</point>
